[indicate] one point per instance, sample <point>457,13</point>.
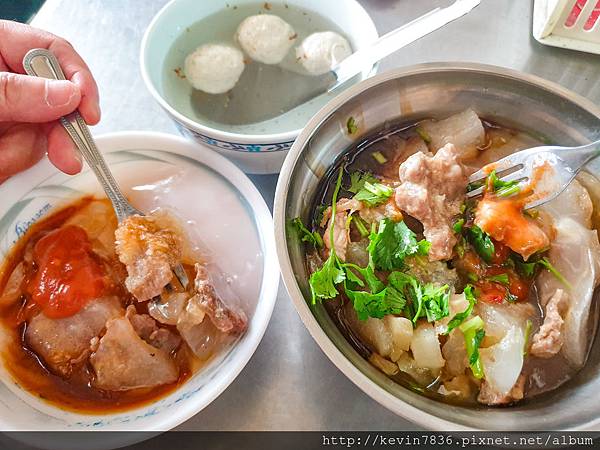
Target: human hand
<point>30,106</point>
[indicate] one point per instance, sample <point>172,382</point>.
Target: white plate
<point>139,159</point>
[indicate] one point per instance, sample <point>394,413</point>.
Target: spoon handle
<point>396,39</point>
<point>42,63</point>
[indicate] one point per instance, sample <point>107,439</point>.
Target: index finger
<point>17,39</point>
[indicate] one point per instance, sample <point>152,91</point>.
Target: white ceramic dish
<point>253,152</point>
<point>138,159</point>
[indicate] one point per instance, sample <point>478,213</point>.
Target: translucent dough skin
<point>214,68</point>
<point>266,38</point>
<point>320,52</point>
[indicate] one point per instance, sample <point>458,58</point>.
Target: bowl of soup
<point>244,77</point>
<point>97,331</point>
<point>455,313</point>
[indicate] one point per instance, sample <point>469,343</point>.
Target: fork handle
<point>42,63</point>
<point>579,156</point>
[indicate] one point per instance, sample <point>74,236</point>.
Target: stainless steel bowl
<point>433,90</point>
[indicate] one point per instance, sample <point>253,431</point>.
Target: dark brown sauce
<point>76,392</point>
<point>359,157</point>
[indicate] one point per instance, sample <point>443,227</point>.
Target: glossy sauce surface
<point>64,289</point>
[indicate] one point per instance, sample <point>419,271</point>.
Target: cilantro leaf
<point>392,243</point>
<point>378,305</point>
<point>461,316</point>
<point>481,242</point>
<point>358,180</point>
<point>529,269</point>
<point>474,333</point>
<point>425,300</point>
<point>501,188</point>
<point>373,194</point>
<point>322,282</point>
<point>458,225</point>
<point>500,278</point>
<point>305,235</point>
<point>436,301</point>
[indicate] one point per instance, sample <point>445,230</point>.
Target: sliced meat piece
<point>146,328</point>
<point>64,342</point>
<point>404,149</point>
<point>370,215</point>
<point>206,299</point>
<point>12,289</point>
<point>432,190</point>
<point>549,339</point>
<point>124,361</point>
<point>148,251</point>
<point>489,396</point>
<point>343,205</point>
<point>387,210</point>
<point>341,235</point>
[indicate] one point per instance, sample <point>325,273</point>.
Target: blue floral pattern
<point>238,147</point>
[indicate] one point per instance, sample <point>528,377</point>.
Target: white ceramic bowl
<point>137,158</point>
<point>254,152</point>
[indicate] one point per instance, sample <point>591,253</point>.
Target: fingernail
<point>78,158</point>
<point>59,93</point>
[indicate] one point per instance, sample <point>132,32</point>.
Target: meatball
<point>320,52</point>
<point>266,38</point>
<point>214,68</point>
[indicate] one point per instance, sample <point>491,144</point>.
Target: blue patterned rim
<point>44,197</point>
<point>235,146</point>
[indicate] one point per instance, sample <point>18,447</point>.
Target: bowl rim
<point>287,136</point>
<point>259,212</point>
<point>376,392</point>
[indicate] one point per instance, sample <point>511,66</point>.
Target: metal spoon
<point>42,63</point>
<point>387,44</point>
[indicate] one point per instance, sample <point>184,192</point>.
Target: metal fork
<point>564,162</point>
<point>42,63</point>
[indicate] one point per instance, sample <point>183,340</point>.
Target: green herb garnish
<point>374,194</point>
<point>529,269</point>
<point>501,188</point>
<point>528,327</point>
<point>311,237</point>
<point>423,135</point>
<point>378,305</point>
<point>392,243</point>
<point>458,225</point>
<point>426,300</point>
<point>351,125</point>
<point>474,333</point>
<point>500,278</point>
<point>322,282</point>
<point>461,316</point>
<point>360,226</point>
<point>482,243</point>
<point>545,262</point>
<point>378,156</point>
<point>358,180</point>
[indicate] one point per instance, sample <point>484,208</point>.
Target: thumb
<point>31,99</point>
